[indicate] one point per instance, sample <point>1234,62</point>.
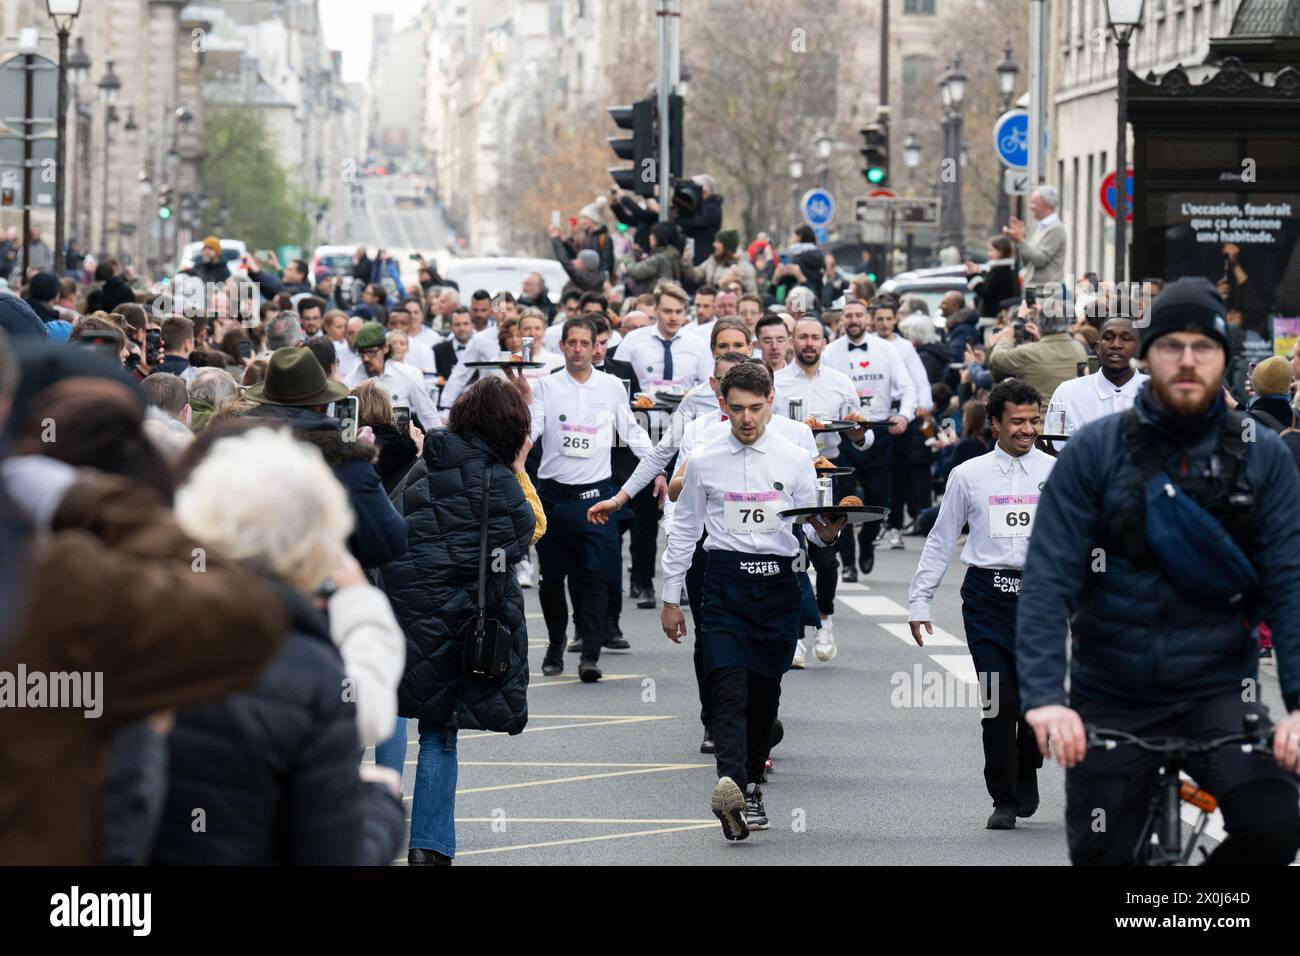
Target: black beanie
<point>1190,304</point>
<point>44,287</point>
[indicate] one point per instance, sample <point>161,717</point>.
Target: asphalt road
<point>381,222</point>
<point>611,773</point>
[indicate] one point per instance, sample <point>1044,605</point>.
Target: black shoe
<point>614,639</point>
<point>706,745</point>
<point>1027,790</point>
<point>552,664</point>
<point>588,672</point>
<point>575,645</point>
<point>866,559</point>
<point>417,856</point>
<point>848,575</point>
<point>1003,818</point>
<point>778,732</point>
<point>634,591</point>
<point>647,599</point>
<point>755,812</point>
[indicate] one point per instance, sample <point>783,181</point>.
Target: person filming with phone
<point>1048,356</point>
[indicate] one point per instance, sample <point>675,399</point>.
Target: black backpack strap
<point>479,624</point>
<point>1147,463</point>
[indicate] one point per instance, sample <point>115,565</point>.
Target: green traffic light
<point>871,277</point>
<point>875,175</point>
<point>164,213</point>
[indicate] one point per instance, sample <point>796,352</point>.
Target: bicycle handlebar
<point>1255,734</point>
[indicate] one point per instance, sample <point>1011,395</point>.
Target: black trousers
<point>989,616</point>
<point>645,536</point>
<point>590,604</point>
<point>1257,797</point>
<point>827,563</point>
<point>744,711</point>
<point>873,476</point>
<point>613,604</point>
<point>899,474</point>
<point>694,588</point>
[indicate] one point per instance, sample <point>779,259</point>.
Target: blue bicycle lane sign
<point>1011,138</point>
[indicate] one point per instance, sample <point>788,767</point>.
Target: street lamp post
<point>795,163</point>
<point>1007,71</point>
<point>78,72</point>
<point>109,85</point>
<point>952,90</point>
<point>64,13</point>
<point>1123,17</point>
<point>823,145</point>
<point>911,159</point>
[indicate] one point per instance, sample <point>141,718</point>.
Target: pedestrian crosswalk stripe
<point>958,664</point>
<point>940,637</point>
<point>875,606</point>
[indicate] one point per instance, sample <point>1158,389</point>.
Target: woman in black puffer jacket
<point>433,590</point>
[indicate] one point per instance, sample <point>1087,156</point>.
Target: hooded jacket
<point>433,586</point>
<point>380,532</point>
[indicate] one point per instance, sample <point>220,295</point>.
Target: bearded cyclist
<point>1163,535</point>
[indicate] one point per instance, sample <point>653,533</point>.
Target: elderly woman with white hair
<point>276,768</point>
<point>919,329</point>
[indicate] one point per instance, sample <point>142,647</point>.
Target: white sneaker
<point>800,656</point>
<point>895,540</point>
<point>824,648</point>
<point>524,573</point>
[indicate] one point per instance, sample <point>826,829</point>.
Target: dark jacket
<point>542,304</point>
<point>622,459</point>
<point>599,241</point>
<point>46,313</point>
<point>637,218</point>
<point>962,326</point>
<point>268,282</point>
<point>584,280</point>
<point>274,768</point>
<point>396,455</point>
<point>172,365</point>
<point>702,226</point>
<point>207,271</point>
<point>380,533</point>
<point>17,318</point>
<point>993,288</point>
<point>444,357</point>
<point>934,357</point>
<point>664,262</point>
<point>1136,641</point>
<point>433,587</point>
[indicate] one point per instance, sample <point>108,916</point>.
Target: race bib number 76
<point>751,512</point>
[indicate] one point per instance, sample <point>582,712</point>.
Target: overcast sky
<point>347,28</point>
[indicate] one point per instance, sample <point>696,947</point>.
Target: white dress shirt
<point>644,350</point>
<point>483,346</point>
<point>579,421</point>
<point>419,354</point>
<point>716,474</point>
<point>427,336</point>
<point>1078,401</point>
<point>349,361</point>
<point>705,328</point>
<point>405,386</point>
<point>997,495</point>
<point>877,372</point>
<point>828,395</point>
<point>699,402</point>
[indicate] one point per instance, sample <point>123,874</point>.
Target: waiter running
<point>734,489</point>
<point>997,495</point>
<point>578,410</point>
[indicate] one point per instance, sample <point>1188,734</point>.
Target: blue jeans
<point>433,802</point>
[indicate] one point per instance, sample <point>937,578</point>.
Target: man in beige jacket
<point>1050,357</point>
<point>1043,254</point>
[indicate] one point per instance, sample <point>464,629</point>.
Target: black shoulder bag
<point>487,643</point>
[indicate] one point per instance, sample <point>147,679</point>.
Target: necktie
<point>862,345</point>
<point>668,358</point>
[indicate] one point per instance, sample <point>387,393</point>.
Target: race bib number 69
<point>751,512</point>
<point>1011,516</point>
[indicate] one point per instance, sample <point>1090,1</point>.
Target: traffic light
<point>875,154</point>
<point>165,203</point>
<point>638,147</point>
<point>642,146</point>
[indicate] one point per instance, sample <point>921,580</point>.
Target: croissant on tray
<point>643,401</point>
<point>822,461</point>
<point>813,422</point>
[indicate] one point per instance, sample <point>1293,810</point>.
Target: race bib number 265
<point>577,441</point>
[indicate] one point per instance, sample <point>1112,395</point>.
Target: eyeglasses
<point>1172,349</point>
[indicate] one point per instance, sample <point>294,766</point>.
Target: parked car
<point>504,274</point>
<point>930,289</point>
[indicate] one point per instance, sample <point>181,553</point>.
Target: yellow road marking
<point>591,820</point>
<point>568,763</point>
<point>593,839</point>
<point>573,680</point>
<point>542,730</point>
<point>577,779</point>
